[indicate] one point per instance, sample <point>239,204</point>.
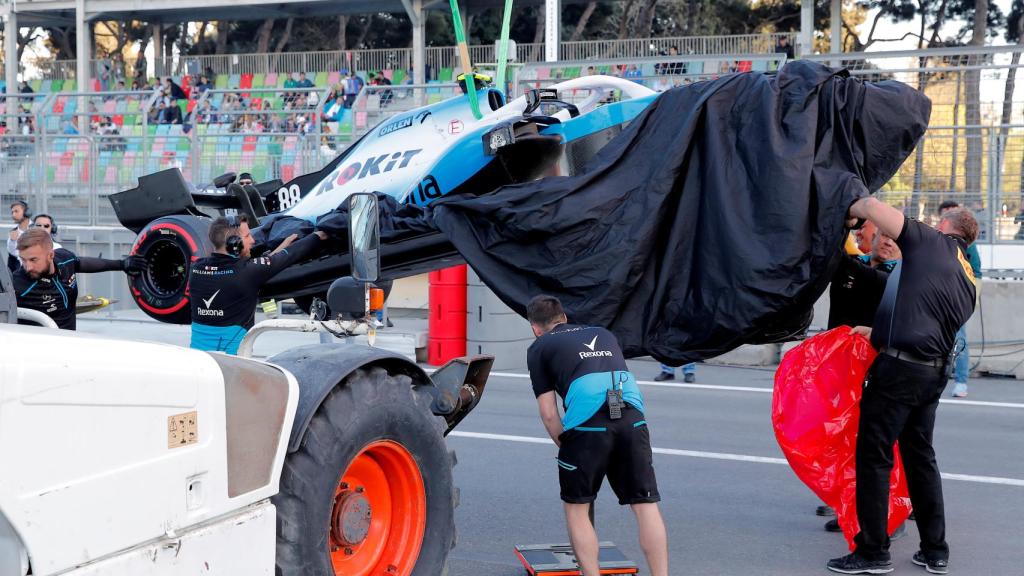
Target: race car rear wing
<point>166,193</point>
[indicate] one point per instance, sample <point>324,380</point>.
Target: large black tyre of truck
<point>369,489</point>
<point>169,245</point>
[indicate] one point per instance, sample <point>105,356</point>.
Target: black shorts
<point>619,449</point>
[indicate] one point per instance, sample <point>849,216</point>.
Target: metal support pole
<point>83,53</point>
<point>11,70</point>
<point>805,46</point>
<point>552,29</point>
<point>836,21</point>
<point>158,49</point>
<point>414,8</point>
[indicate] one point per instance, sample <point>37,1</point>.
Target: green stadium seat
<point>445,75</point>
<point>36,85</point>
<point>398,76</point>
<point>320,80</point>
<point>257,80</point>
<point>56,85</point>
<point>70,85</point>
<point>221,83</point>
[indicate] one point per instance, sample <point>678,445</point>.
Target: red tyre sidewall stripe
<point>191,243</point>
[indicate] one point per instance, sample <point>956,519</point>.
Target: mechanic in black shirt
<point>46,280</point>
<point>928,296</point>
<point>584,365</point>
<point>224,287</point>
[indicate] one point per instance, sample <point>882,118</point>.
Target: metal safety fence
<point>437,57</point>
<point>973,152</point>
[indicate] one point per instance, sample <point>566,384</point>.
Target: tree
<point>975,145</point>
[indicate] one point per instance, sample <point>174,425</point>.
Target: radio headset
<point>24,208</point>
<point>53,223</point>
<point>234,245</point>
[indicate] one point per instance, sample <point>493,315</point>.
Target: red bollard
<point>447,319</point>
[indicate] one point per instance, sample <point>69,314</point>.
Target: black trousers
<point>899,403</point>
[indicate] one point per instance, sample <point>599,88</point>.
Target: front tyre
<point>369,491</point>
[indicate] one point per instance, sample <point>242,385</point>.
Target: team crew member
<point>46,222</point>
<point>224,287</point>
<point>854,294</point>
<point>602,434</point>
<point>22,218</point>
<point>46,280</point>
<point>927,298</point>
<point>963,362</point>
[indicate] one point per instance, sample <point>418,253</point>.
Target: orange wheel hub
<point>379,514</point>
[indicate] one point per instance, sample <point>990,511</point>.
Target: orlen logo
<point>395,126</point>
<point>591,353</point>
<point>376,165</point>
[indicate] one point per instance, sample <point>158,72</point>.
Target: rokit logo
<point>375,165</point>
<point>591,353</point>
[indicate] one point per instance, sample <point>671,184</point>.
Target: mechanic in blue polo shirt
<point>603,432</point>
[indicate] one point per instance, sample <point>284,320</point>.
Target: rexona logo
<point>376,165</point>
<point>395,126</point>
<point>591,353</point>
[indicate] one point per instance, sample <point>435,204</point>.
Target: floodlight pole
<point>552,29</point>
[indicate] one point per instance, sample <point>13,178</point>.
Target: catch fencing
<point>437,58</point>
<point>974,148</point>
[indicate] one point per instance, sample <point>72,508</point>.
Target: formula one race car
<point>414,157</point>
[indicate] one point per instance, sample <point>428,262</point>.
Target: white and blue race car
<point>415,157</point>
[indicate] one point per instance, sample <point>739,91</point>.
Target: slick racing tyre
<point>169,245</point>
<point>369,491</point>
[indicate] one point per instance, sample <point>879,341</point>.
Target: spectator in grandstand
<point>783,47</point>
<point>277,124</point>
<point>71,128</point>
<point>173,90</point>
<point>204,84</point>
<point>633,73</point>
<point>352,85</point>
<point>24,88</point>
<point>136,86</point>
<point>590,71</point>
<point>385,95</point>
<point>304,82</point>
<point>110,135</point>
<point>204,114</point>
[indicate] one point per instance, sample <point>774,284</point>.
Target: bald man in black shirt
<point>927,297</point>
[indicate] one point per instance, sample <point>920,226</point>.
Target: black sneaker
<point>857,564</point>
<point>689,377</point>
<point>824,511</point>
<point>932,566</point>
<point>664,376</point>
<point>832,526</point>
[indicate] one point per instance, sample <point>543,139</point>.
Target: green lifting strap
<point>503,47</point>
<point>467,65</point>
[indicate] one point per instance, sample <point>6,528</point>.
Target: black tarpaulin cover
<point>712,221</point>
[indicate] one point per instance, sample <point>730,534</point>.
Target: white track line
<point>763,390</point>
<point>725,456</point>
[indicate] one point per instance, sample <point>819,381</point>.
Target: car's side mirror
<point>364,236</point>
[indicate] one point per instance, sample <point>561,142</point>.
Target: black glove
<point>134,265</point>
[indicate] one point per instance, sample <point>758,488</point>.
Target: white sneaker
<point>960,390</point>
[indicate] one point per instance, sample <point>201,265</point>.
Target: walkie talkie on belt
<point>615,400</point>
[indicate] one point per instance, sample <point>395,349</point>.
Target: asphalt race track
<point>731,504</point>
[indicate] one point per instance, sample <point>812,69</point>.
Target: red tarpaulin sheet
<point>815,411</point>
